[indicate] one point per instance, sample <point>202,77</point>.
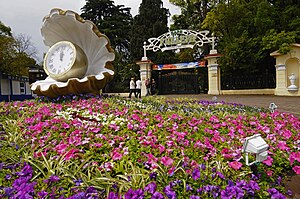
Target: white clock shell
<point>65,60</point>
<point>62,25</point>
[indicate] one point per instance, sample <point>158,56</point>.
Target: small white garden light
<point>272,107</point>
<point>214,98</point>
<point>257,145</point>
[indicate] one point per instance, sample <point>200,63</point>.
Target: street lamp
<point>256,145</point>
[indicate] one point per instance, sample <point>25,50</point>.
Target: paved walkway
<point>284,103</point>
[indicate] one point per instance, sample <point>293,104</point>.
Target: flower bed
<point>108,147</point>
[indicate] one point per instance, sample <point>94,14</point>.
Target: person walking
<point>138,84</point>
<point>148,87</point>
<point>153,87</point>
<point>132,87</point>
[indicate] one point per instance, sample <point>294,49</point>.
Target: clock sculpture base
<point>89,84</point>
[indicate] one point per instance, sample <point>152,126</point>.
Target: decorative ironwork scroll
<point>178,39</point>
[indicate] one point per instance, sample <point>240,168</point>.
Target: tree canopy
<point>152,21</point>
<point>247,31</point>
<point>16,53</point>
<point>112,20</point>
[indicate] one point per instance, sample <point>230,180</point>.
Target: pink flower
<point>235,165</point>
<point>287,134</point>
<point>167,161</point>
<point>268,161</point>
<point>116,155</point>
<point>294,156</point>
<point>282,145</point>
<point>269,173</point>
<point>71,154</point>
<point>161,148</point>
<point>296,169</point>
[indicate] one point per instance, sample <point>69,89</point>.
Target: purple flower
<point>199,190</point>
<point>196,174</point>
<point>7,176</point>
<point>232,192</point>
<point>202,166</point>
<point>9,192</point>
<point>289,193</point>
<point>80,195</point>
<point>1,166</point>
<point>134,194</point>
<point>213,190</point>
<point>189,188</point>
<point>169,192</point>
<point>151,188</point>
<point>194,197</point>
<point>25,191</point>
<point>54,178</point>
<point>153,175</point>
<point>112,195</point>
<point>26,171</point>
<point>275,194</point>
<point>77,182</point>
<point>157,195</point>
<point>220,175</point>
<point>91,191</point>
<point>51,179</point>
<point>42,194</point>
<point>241,183</point>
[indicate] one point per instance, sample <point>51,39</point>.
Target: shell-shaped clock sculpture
<point>79,59</point>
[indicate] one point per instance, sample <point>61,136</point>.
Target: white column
<point>281,80</point>
<point>145,72</point>
<point>214,78</point>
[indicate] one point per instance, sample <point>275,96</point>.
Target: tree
<point>193,12</point>
<point>112,20</point>
<point>5,30</point>
<point>246,29</point>
<point>152,21</point>
<point>23,44</point>
<point>115,22</point>
<point>16,54</point>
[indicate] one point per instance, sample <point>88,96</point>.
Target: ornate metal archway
<point>178,39</point>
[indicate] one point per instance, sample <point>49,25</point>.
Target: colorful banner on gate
<point>185,65</point>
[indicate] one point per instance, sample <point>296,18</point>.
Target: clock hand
<point>61,55</point>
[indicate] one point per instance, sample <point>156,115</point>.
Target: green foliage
<point>193,13</point>
<point>112,20</point>
<point>273,41</point>
<point>247,31</point>
<point>152,21</point>
<point>115,22</point>
<point>5,30</point>
<point>13,59</point>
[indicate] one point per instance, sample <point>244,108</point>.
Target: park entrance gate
<point>182,78</point>
<point>181,81</point>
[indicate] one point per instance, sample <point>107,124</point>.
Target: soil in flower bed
<point>293,184</point>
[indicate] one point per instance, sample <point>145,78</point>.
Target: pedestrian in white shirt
<point>132,87</point>
<point>138,84</point>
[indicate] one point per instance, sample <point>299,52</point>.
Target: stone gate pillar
<point>288,72</point>
<point>145,72</point>
<point>214,75</point>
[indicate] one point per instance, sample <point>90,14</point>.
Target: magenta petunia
<point>167,161</point>
<point>235,165</point>
<point>116,155</point>
<point>296,169</point>
<point>294,156</point>
<point>268,161</point>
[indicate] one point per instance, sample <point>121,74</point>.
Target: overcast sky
<point>25,16</point>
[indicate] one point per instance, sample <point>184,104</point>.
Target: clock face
<point>60,58</point>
